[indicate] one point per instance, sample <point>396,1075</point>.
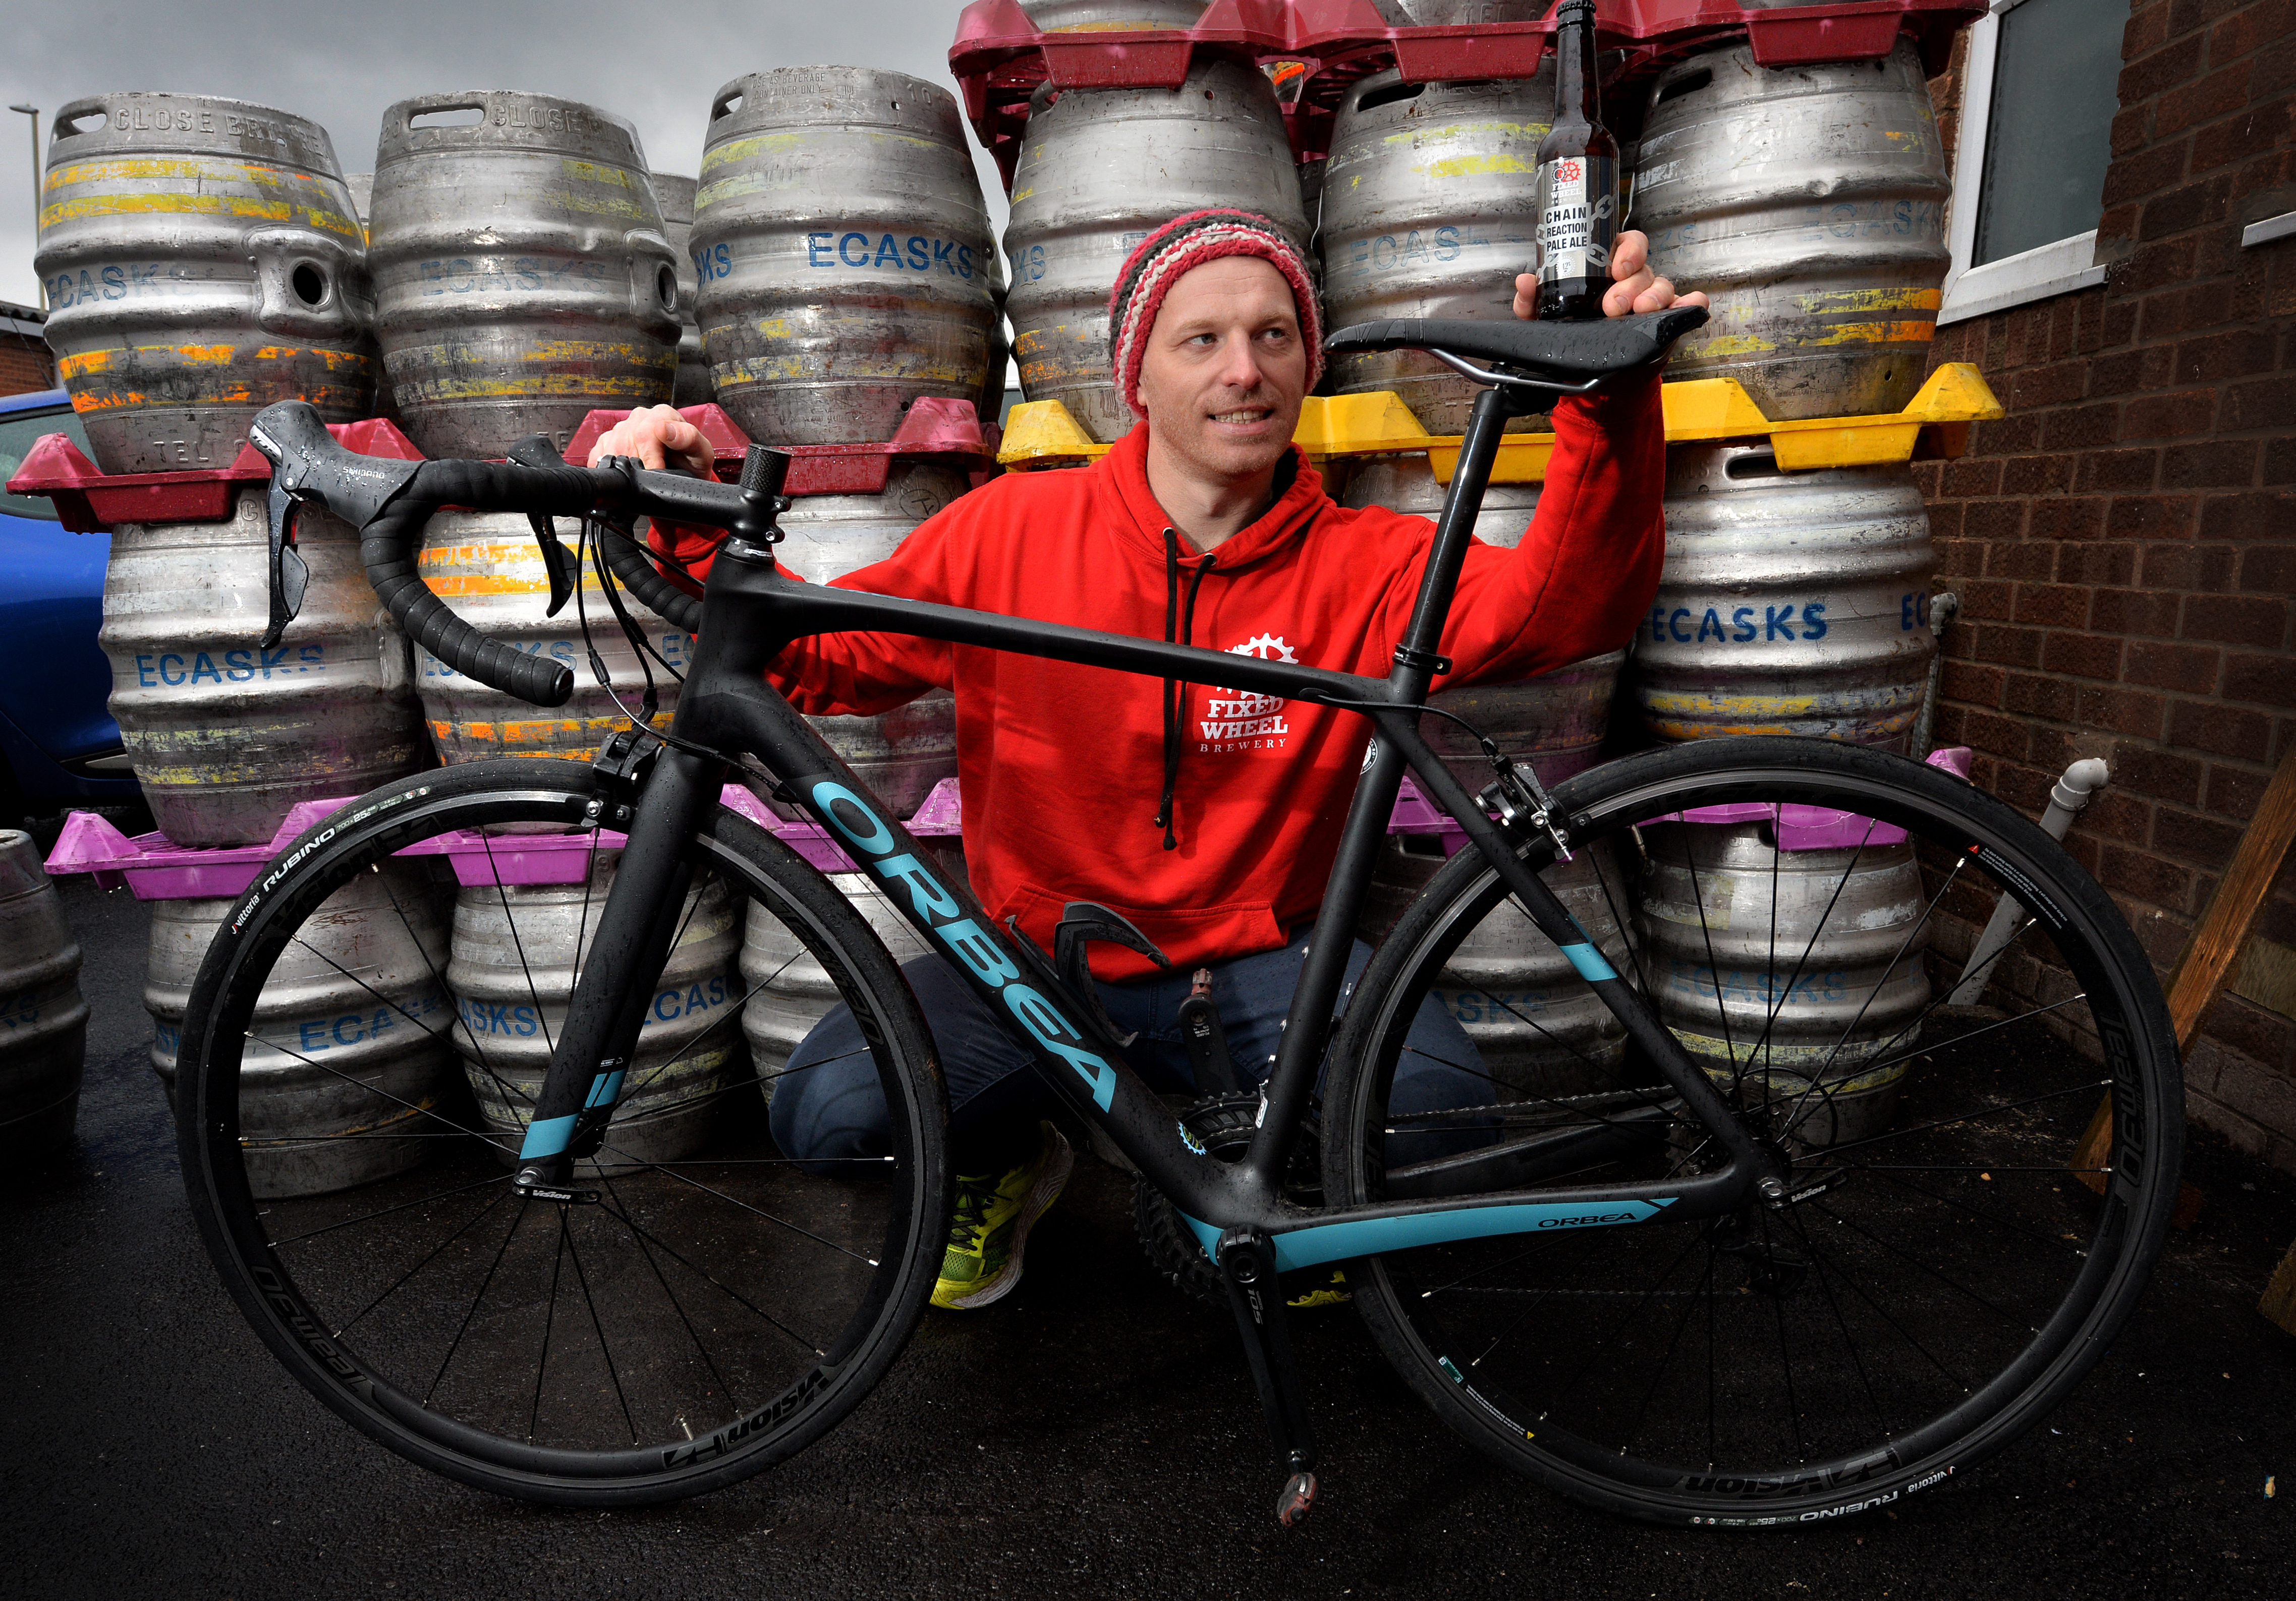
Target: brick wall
<point>2124,541</point>
<point>25,365</point>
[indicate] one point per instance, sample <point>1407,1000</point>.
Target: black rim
<point>716,1304</point>
<point>1920,1295</point>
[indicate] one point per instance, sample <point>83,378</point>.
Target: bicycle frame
<point>752,612</point>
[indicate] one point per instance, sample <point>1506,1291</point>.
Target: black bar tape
<point>388,545</point>
<point>656,594</point>
<point>388,550</point>
<point>503,487</point>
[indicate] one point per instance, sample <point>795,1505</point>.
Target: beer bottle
<point>1578,193</point>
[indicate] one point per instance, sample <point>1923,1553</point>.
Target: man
<point>1208,815</point>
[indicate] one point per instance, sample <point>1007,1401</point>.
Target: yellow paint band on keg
<point>1500,164</point>
<point>87,363</point>
<point>85,206</point>
<point>568,385</point>
<point>621,206</point>
<point>1908,299</point>
<point>804,365</point>
<point>1869,333</point>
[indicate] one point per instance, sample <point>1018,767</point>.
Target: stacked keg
<point>1428,211</point>
<point>848,272</point>
<point>490,568</point>
<point>518,951</point>
<point>1098,171</point>
<point>523,276</point>
<point>1506,974</point>
<point>1807,202</point>
<point>844,253</point>
<point>348,1053</point>
<point>203,258</point>
<point>225,735</point>
<point>675,196</point>
<point>43,1018</point>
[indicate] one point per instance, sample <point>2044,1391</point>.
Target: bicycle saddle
<point>1570,352</point>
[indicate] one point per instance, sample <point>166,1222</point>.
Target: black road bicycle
<point>1675,1264</point>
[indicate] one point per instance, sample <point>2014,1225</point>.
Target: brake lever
<point>289,577</point>
<point>536,450</point>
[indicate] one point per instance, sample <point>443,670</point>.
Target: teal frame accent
<point>1589,963</point>
<point>1319,1243</point>
<point>546,1136</point>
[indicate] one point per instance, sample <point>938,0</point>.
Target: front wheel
<point>1938,1276</point>
<point>364,1044</point>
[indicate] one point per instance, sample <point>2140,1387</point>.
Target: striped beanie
<point>1190,241</point>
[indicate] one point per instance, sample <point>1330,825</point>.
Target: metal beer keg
<point>487,567</point>
<point>42,1018</point>
<point>350,1034</point>
<point>517,950</point>
<point>203,258</point>
<point>522,278</point>
<point>1541,1033</point>
<point>844,253</point>
<point>224,735</point>
<point>1809,202</point>
<point>1822,982</point>
<point>1099,169</point>
<point>1428,211</point>
<point>904,752</point>
<point>675,197</point>
<point>1790,603</point>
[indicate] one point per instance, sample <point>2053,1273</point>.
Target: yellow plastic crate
<point>1043,434</point>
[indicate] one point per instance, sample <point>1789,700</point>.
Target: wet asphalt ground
<point>1094,1435</point>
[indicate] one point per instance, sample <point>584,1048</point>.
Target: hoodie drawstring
<point>1179,624</point>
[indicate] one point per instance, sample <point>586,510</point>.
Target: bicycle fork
<point>636,931</point>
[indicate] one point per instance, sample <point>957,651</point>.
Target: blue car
<point>58,747</point>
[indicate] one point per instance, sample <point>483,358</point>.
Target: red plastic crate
<point>1000,60</point>
<point>88,501</point>
<point>936,427</point>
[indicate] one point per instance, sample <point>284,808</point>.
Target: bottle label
<point>1577,212</point>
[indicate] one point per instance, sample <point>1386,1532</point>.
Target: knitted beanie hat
<point>1190,241</point>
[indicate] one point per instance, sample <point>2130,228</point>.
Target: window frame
<point>2055,268</point>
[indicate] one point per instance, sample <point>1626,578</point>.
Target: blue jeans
<point>828,1105</point>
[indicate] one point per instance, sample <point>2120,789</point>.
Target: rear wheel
<point>1939,1273</point>
<point>365,1043</point>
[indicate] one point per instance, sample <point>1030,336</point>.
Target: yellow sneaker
<point>990,1226</point>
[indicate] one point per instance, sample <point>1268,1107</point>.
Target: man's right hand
<point>660,438</point>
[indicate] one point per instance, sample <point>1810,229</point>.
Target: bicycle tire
<point>1921,1299</point>
<point>718,1307</point>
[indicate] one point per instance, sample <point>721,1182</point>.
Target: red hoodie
<point>1061,766</point>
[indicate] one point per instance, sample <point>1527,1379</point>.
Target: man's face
<point>1225,368</point>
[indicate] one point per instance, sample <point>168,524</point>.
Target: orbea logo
<point>966,939</point>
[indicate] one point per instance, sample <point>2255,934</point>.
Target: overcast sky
<point>659,65</point>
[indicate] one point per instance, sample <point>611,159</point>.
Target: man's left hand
<point>1634,286</point>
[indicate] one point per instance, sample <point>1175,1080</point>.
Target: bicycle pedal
<point>1296,1500</point>
<point>550,1192</point>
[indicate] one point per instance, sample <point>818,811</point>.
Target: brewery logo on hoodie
<point>1243,719</point>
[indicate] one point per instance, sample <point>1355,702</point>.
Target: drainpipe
<point>1943,609</point>
<point>2067,797</point>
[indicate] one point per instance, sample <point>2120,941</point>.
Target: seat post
<point>1415,659</point>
